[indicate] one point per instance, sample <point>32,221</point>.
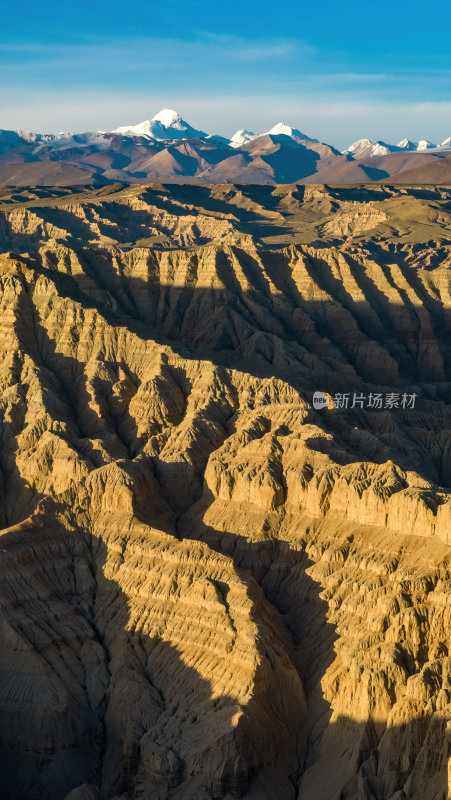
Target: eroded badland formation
<point>208,588</point>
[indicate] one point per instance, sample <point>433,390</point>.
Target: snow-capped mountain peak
<point>364,148</point>
<point>167,117</point>
<point>100,140</point>
<point>30,136</point>
<point>358,147</point>
<point>423,144</point>
<point>167,124</point>
<point>282,129</point>
<point>19,137</point>
<point>141,129</point>
<point>242,137</point>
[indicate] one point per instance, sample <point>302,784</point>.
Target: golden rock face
<point>210,589</point>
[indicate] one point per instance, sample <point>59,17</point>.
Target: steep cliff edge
<point>210,589</point>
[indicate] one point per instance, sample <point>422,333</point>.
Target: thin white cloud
<point>257,50</point>
<point>145,52</point>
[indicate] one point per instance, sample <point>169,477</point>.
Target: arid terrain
<point>209,589</point>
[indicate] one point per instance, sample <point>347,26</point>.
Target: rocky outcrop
<point>209,589</point>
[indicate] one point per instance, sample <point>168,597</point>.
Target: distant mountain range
<point>168,149</point>
<point>364,147</point>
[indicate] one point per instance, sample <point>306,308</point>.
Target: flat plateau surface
<point>208,588</point>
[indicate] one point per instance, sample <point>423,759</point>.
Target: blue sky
<point>337,71</point>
